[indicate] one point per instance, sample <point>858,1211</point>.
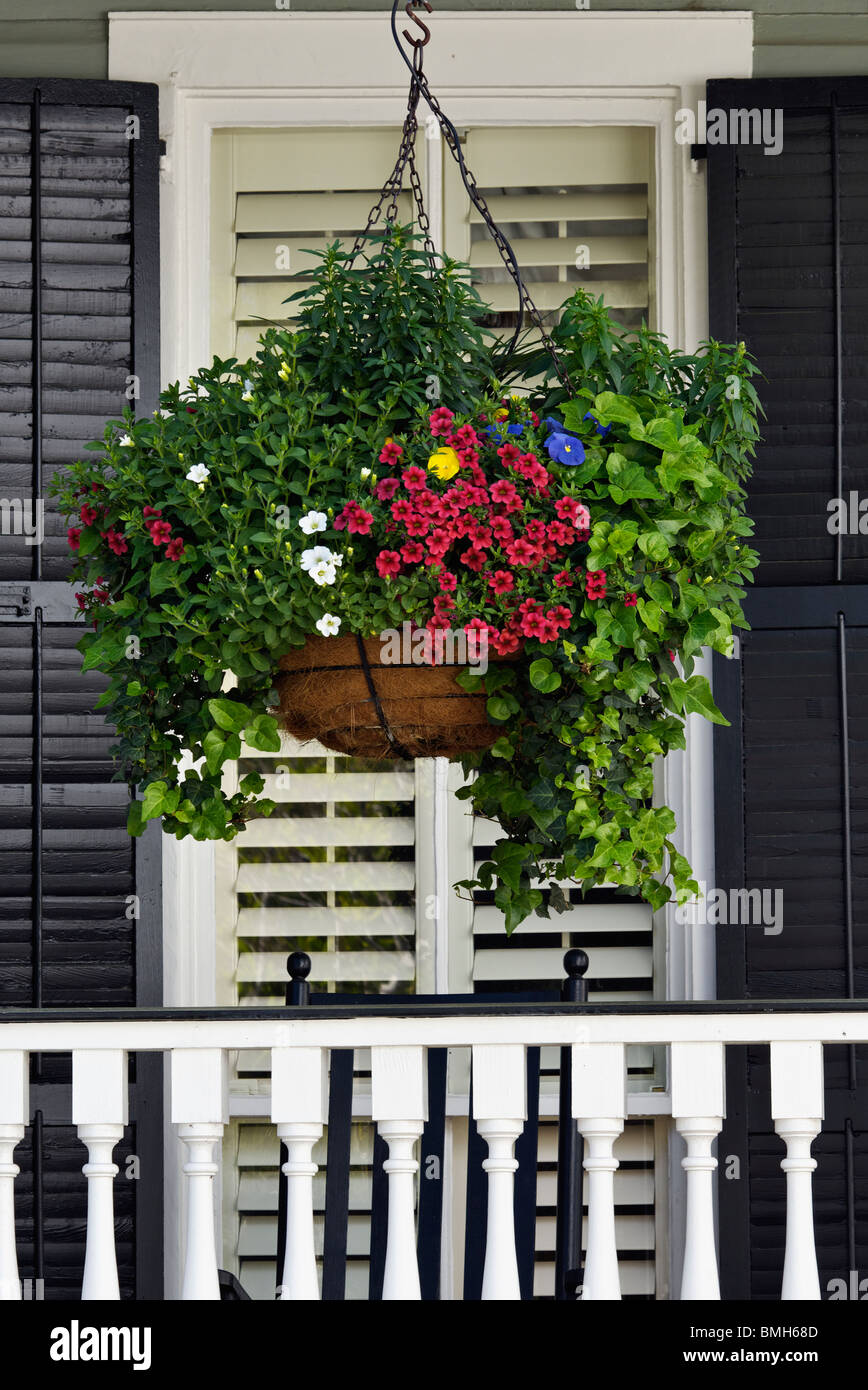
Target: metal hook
<point>409,10</point>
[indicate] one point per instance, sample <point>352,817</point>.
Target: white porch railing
<point>198,1042</point>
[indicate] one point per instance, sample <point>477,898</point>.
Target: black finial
<point>574,988</point>
<point>298,965</point>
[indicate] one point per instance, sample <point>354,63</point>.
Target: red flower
<point>438,543</point>
<point>564,580</point>
<point>390,453</point>
<point>630,600</point>
<point>465,437</point>
<point>88,515</point>
<point>473,558</point>
<point>417,525</point>
<point>596,584</point>
<point>360,522</point>
<point>501,581</point>
<point>560,533</point>
<point>160,532</point>
<point>388,564</point>
<point>414,478</point>
<point>81,600</point>
<point>506,643</point>
<point>566,508</point>
<point>448,581</point>
<point>73,537</point>
<point>560,616</point>
<point>510,454</point>
<point>501,529</point>
<point>521,552</point>
<point>443,604</point>
<point>440,420</point>
<point>480,535</point>
<point>412,553</point>
<point>386,489</point>
<point>116,543</point>
<point>151,511</point>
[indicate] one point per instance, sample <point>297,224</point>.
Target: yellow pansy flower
<point>444,464</point>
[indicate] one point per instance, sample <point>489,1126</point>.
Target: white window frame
<point>501,68</point>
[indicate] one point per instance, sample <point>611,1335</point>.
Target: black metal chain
<point>406,159</point>
<point>394,183</point>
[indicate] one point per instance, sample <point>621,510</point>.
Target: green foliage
<point>570,777</point>
<point>189,544</point>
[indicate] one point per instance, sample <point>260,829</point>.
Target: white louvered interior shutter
<point>275,195</point>
<point>344,868</point>
<point>574,203</point>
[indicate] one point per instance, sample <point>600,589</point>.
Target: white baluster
<point>600,1106</point>
<point>500,1110</point>
<point>99,1110</point>
<point>13,1118</point>
<point>797,1110</point>
<point>200,1110</point>
<point>399,1104</point>
<point>698,1110</point>
<point>299,1105</point>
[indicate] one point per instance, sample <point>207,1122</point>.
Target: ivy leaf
<point>509,860</point>
<point>543,676</point>
<point>694,696</point>
<point>262,733</point>
<point>229,714</point>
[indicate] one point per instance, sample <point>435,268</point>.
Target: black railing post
<point>297,992</point>
<point>568,1221</point>
<point>298,989</point>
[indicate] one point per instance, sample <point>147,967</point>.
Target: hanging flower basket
<point>244,552</point>
<point>343,693</point>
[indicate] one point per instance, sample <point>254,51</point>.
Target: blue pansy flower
<point>554,425</point>
<point>602,430</point>
<point>495,431</point>
<point>565,448</point>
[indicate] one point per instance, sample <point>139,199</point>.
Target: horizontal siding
<point>69,38</point>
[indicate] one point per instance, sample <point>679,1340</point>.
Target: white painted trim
<point>312,1028</point>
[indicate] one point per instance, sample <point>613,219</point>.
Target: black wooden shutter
<point>788,272</point>
<point>79,901</point>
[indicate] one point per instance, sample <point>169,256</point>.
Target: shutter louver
<point>287,192</point>
<point>79,912</point>
<point>787,242</point>
<point>331,871</point>
<point>574,204</point>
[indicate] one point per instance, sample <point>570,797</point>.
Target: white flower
<point>317,555</point>
<point>127,439</point>
<point>323,573</point>
<point>365,473</point>
<point>328,625</point>
<point>198,473</point>
<point>313,521</point>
